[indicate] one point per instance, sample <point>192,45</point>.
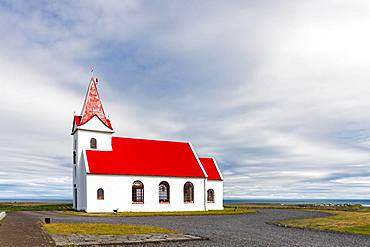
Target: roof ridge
<point>130,156</point>
<point>149,139</point>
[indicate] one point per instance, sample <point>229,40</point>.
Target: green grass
<point>344,218</point>
<point>226,211</point>
<point>339,221</point>
<point>105,229</point>
<point>9,207</point>
<point>365,229</point>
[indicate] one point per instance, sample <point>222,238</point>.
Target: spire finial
<point>92,71</point>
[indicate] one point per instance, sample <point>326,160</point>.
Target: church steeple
<point>91,130</point>
<point>93,105</point>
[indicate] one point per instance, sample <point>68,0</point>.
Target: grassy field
<point>226,211</point>
<point>340,221</point>
<point>29,206</point>
<point>67,209</point>
<point>351,219</point>
<point>344,218</point>
<point>109,229</point>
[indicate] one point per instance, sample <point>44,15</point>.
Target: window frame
<point>188,193</point>
<point>100,194</point>
<point>137,198</point>
<point>211,192</point>
<point>165,194</point>
<point>93,143</point>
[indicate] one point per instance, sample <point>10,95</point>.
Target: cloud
<point>276,91</point>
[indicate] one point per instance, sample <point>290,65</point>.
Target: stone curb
<point>2,215</point>
<point>112,240</point>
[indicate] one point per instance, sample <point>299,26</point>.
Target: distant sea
<point>363,202</point>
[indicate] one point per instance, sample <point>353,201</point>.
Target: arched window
<point>100,194</point>
<point>138,192</point>
<point>188,192</point>
<point>93,143</point>
<point>210,195</point>
<point>164,192</point>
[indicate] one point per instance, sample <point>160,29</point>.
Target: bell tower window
<point>100,194</point>
<point>93,143</point>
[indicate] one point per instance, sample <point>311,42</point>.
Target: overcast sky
<point>277,91</point>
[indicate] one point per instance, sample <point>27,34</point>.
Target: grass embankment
<point>344,218</point>
<point>226,211</point>
<point>340,221</point>
<point>30,206</point>
<point>350,219</point>
<point>104,229</point>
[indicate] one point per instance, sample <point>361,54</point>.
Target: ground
<point>33,206</point>
<point>227,230</point>
<point>103,229</point>
<point>227,210</point>
<point>18,229</point>
<point>341,221</point>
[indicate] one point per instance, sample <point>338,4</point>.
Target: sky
<point>277,91</point>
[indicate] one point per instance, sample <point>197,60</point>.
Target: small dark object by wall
<point>47,220</point>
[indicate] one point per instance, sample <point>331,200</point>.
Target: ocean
<point>363,202</point>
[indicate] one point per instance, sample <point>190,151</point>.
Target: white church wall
<point>81,142</point>
<point>218,188</point>
<point>103,140</point>
<point>118,194</point>
<point>76,168</point>
<point>74,174</point>
<point>81,186</point>
<point>84,133</point>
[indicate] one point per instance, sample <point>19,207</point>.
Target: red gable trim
<point>211,168</point>
<point>77,121</point>
<point>131,156</point>
<point>200,163</point>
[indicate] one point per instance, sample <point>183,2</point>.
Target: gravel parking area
<point>18,230</point>
<point>233,230</point>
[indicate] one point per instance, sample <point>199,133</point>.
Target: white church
<point>138,175</point>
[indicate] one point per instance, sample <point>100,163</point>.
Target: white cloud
<point>277,91</point>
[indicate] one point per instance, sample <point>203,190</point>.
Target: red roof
<point>92,107</point>
<point>211,168</point>
<point>131,156</point>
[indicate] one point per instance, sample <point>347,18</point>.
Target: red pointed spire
<point>93,106</point>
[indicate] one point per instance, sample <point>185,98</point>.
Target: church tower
<point>91,130</point>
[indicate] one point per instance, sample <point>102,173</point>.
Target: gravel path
<point>19,230</point>
<point>234,230</point>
